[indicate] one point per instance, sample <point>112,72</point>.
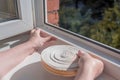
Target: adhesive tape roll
<point>60,59</point>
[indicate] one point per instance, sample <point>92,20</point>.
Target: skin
<point>38,40</point>
<point>12,57</point>
<point>90,68</point>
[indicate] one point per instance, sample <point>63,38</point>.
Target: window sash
<point>23,24</point>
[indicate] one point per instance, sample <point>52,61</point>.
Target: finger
<point>49,43</point>
<point>80,53</point>
<point>43,34</point>
<point>32,31</point>
<point>38,32</point>
<point>47,39</point>
<point>80,61</point>
<point>81,57</point>
<point>54,38</point>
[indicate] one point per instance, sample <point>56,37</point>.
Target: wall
<point>52,11</point>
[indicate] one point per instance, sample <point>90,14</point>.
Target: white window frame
<point>23,24</point>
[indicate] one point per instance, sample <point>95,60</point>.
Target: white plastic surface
<point>31,69</point>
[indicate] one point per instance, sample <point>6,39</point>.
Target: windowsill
<point>29,60</point>
<point>111,68</point>
<point>30,68</point>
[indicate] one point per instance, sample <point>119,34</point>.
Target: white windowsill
<point>30,68</point>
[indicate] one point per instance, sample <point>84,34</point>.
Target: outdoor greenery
<point>95,19</point>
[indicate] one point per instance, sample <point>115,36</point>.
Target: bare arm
<point>12,57</point>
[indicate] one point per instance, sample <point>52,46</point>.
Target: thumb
<point>80,53</point>
<point>84,55</point>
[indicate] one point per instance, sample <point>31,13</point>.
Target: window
<point>16,16</point>
<point>8,10</point>
<point>97,20</point>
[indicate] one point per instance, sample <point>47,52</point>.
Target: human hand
<point>40,38</point>
<point>89,64</point>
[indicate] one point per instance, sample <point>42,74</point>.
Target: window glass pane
<point>8,10</point>
<point>95,19</point>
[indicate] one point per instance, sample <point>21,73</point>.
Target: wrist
<point>34,45</point>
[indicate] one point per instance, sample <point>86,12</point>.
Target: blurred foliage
<point>105,29</point>
<point>74,19</point>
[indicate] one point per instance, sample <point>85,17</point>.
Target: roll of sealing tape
<point>60,60</point>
